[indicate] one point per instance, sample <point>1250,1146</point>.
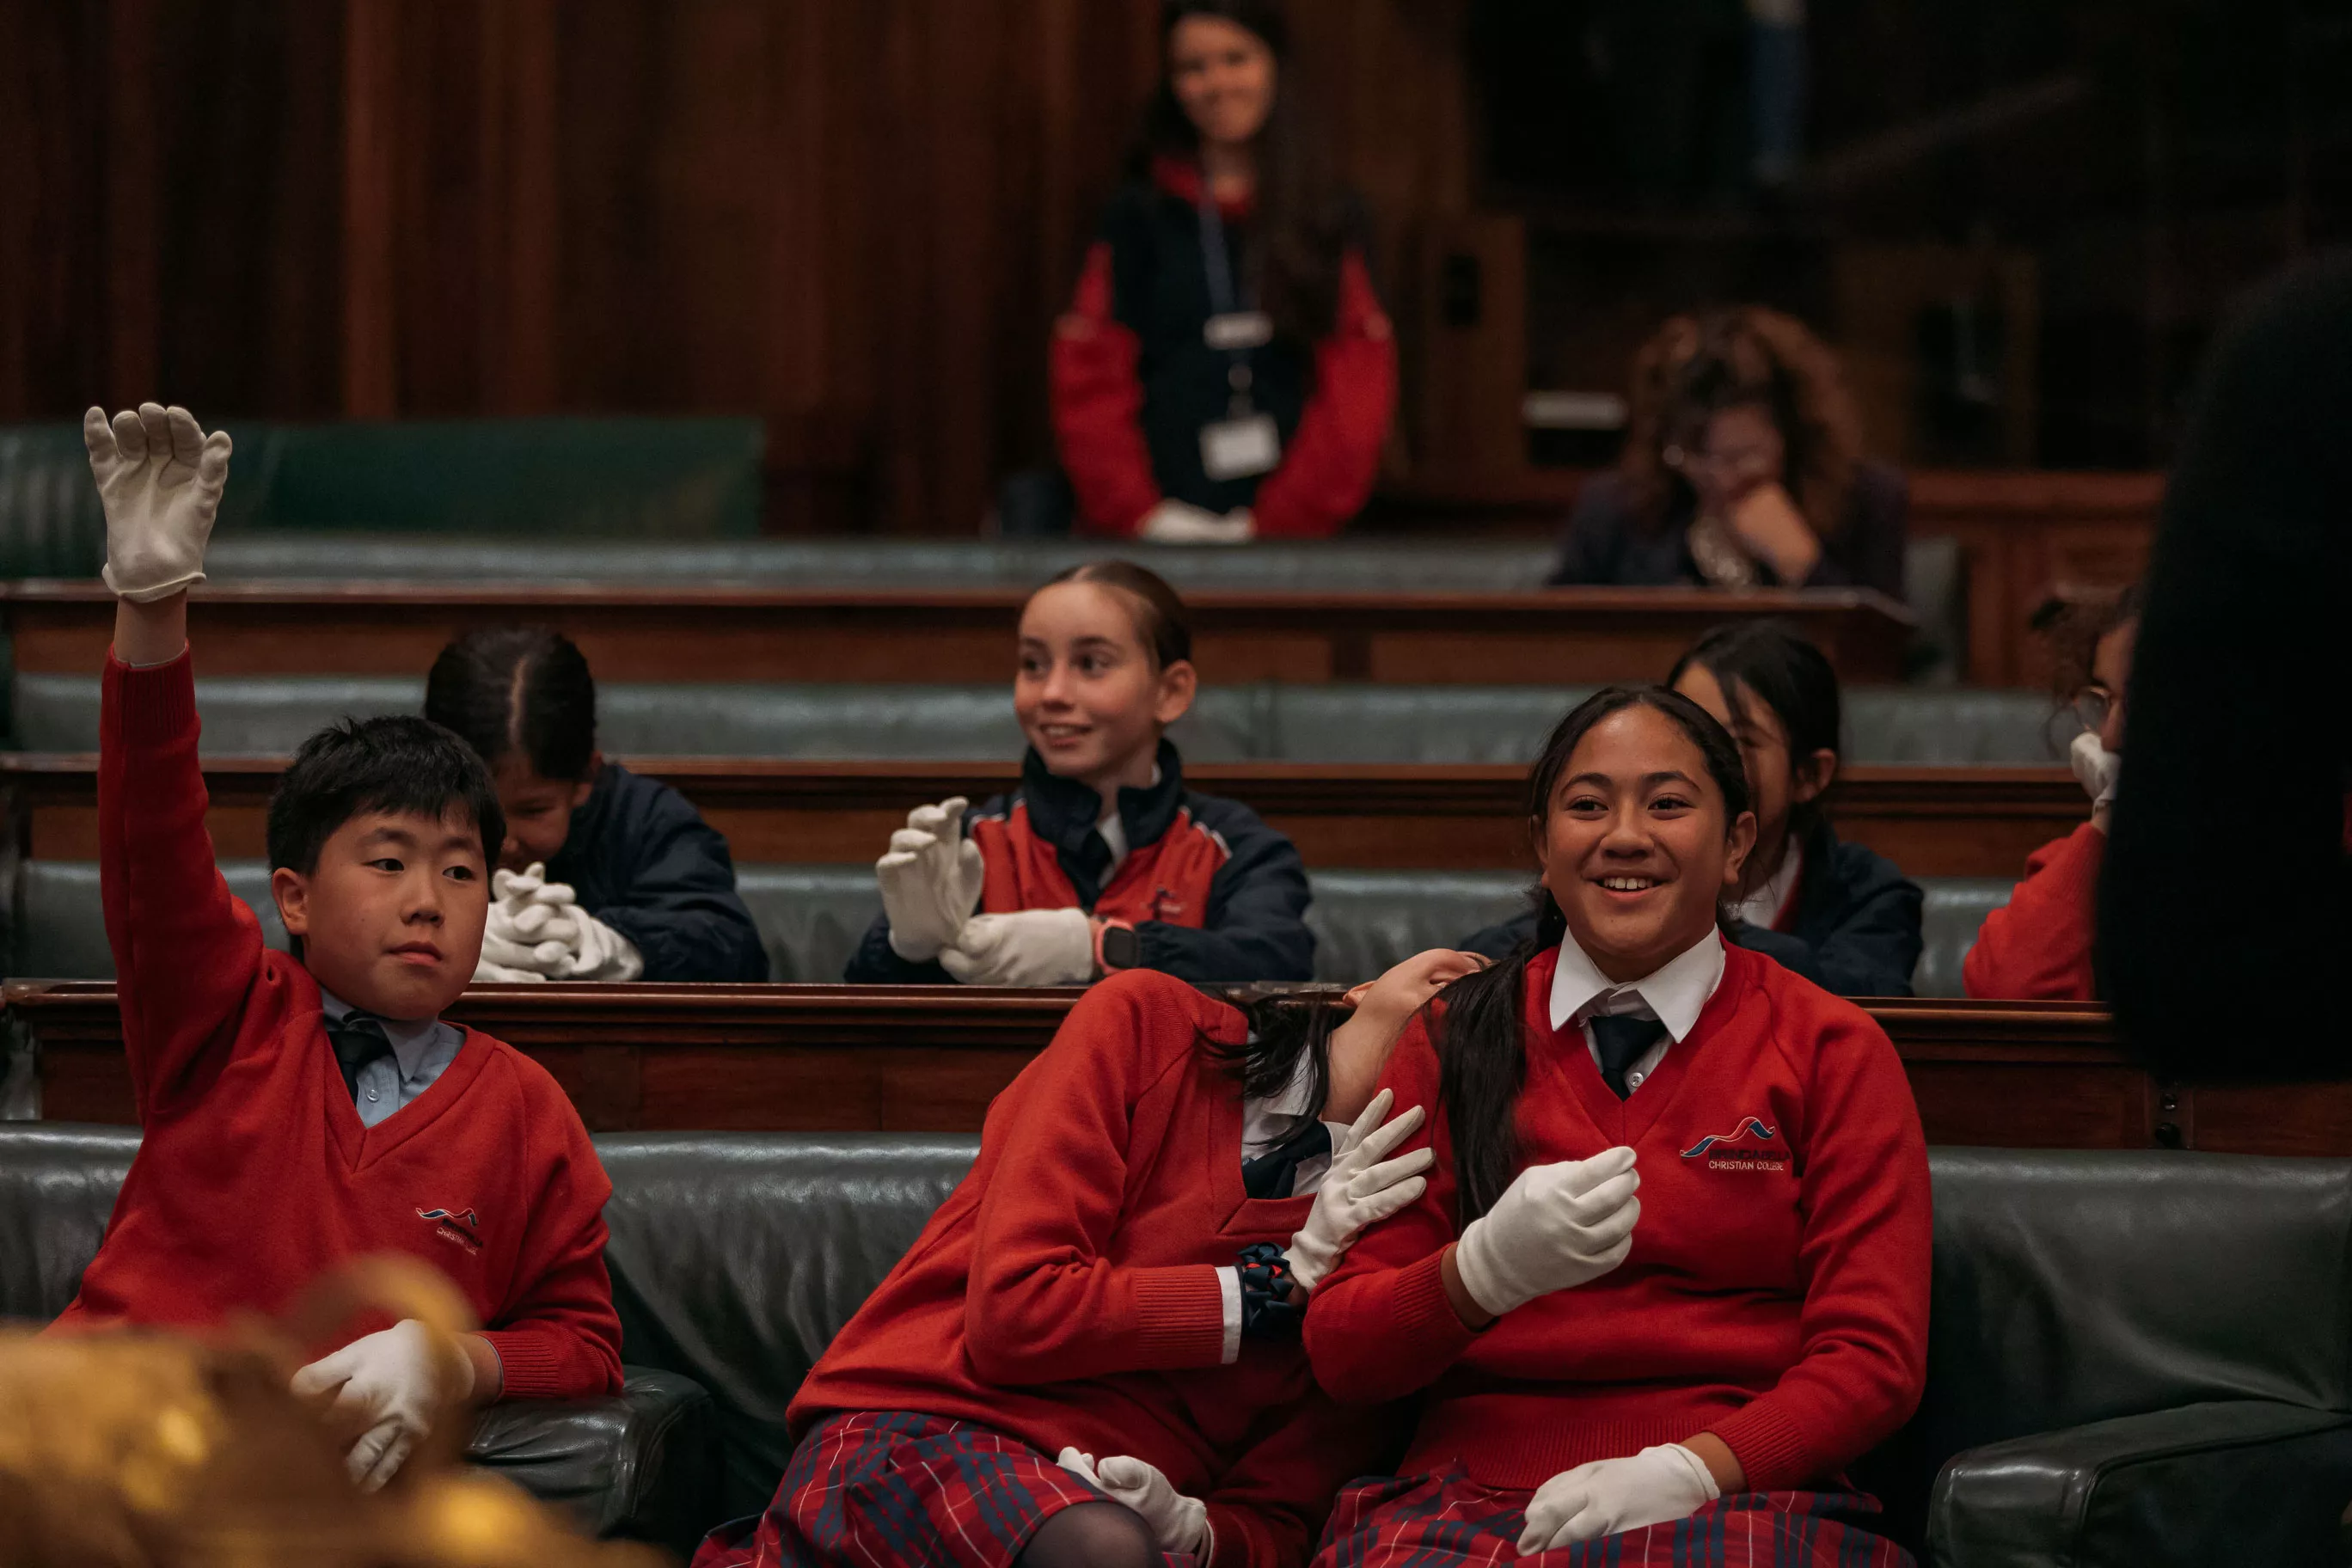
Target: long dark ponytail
<point>1480,1033</point>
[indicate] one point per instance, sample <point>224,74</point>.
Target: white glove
<point>2097,769</point>
<point>396,1381</point>
<point>1030,947</point>
<point>160,478</point>
<point>524,938</point>
<point>1181,522</point>
<point>1607,1496</point>
<point>1555,1227</point>
<point>1363,1188</point>
<point>931,881</point>
<point>1179,1522</point>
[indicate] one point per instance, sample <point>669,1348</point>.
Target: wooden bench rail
<point>837,1057</point>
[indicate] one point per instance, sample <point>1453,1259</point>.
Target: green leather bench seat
<point>270,715</point>
<point>2133,1357</point>
<point>811,918</point>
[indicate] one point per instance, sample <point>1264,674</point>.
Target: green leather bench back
<point>270,716</point>
<point>811,918</point>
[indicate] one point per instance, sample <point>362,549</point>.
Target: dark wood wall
<point>853,217</point>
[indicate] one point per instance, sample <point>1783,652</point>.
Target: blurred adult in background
<point>1743,467</point>
<point>2037,947</point>
<point>2225,913</point>
<point>1225,371</point>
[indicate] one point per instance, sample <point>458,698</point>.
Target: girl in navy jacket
<point>1101,861</point>
<point>1839,914</point>
<point>603,875</point>
<point>1225,371</point>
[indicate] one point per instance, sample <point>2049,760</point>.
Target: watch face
<point>1121,948</point>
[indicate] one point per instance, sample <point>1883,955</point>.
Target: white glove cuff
<point>1480,1276</point>
<point>1700,1475</point>
<point>148,592</point>
<point>913,951</point>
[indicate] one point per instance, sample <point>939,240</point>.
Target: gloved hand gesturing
<point>1364,1189</point>
<point>160,477</point>
<point>1029,947</point>
<point>1609,1496</point>
<point>1180,1524</point>
<point>392,1384</point>
<point>931,879</point>
<point>1555,1227</point>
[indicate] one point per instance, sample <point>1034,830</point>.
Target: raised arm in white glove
<point>931,879</point>
<point>392,1383</point>
<point>1181,522</point>
<point>1364,1187</point>
<point>1030,947</point>
<point>1608,1496</point>
<point>160,477</point>
<point>1555,1227</point>
<point>1180,1524</point>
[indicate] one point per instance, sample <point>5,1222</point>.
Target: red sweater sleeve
<point>1335,454</point>
<point>1045,1303</point>
<point>186,950</point>
<point>1268,1510</point>
<point>1381,1327</point>
<point>1098,407</point>
<point>2037,947</point>
<point>557,1335</point>
<point>1863,1259</point>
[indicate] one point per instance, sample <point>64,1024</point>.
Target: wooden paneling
<point>841,1059</point>
<point>1933,822</point>
<point>1567,634</point>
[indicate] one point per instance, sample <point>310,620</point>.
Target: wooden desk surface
<point>672,633</point>
<point>1931,821</point>
<point>835,1058</point>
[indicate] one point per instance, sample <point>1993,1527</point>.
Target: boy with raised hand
<point>300,1111</point>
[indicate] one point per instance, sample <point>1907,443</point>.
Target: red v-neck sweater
<point>1067,1292</point>
<point>254,1174</point>
<point>1777,1290</point>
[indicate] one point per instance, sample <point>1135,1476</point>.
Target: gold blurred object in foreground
<point>162,1451</point>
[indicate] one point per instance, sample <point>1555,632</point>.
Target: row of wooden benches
<point>1932,821</point>
<point>920,1059</point>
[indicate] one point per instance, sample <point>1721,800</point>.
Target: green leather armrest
<point>2233,1481</point>
<point>640,1465</point>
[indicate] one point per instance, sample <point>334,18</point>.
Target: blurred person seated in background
<point>1225,371</point>
<point>1090,1357</point>
<point>603,875</point>
<point>1101,861</point>
<point>1742,467</point>
<point>1841,915</point>
<point>300,1111</point>
<point>2038,947</point>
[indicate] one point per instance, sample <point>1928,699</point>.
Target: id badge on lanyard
<point>1245,443</point>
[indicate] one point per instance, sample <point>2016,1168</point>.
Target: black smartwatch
<point>1267,1310</point>
<point>1120,948</point>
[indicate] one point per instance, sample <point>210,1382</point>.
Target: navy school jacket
<point>1214,894</point>
<point>644,862</point>
<point>1857,930</point>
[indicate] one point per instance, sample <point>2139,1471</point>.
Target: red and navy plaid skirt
<point>1448,1521</point>
<point>896,1489</point>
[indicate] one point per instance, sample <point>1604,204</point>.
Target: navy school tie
<point>1274,1173</point>
<point>1623,1038</point>
<point>358,1038</point>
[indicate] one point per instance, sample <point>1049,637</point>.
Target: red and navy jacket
<point>1214,893</point>
<point>1134,379</point>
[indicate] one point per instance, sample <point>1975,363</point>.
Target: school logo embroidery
<point>462,1227</point>
<point>1735,1150</point>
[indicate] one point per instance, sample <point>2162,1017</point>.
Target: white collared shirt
<point>1114,831</point>
<point>1763,907</point>
<point>1674,994</point>
<point>421,1052</point>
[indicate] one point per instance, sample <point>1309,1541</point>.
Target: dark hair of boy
<point>1160,622</point>
<point>524,690</point>
<point>1303,213</point>
<point>1770,662</point>
<point>398,763</point>
<point>1480,1035</point>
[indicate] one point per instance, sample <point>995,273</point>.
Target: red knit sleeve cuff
<point>1423,1309</point>
<point>1180,1316</point>
<point>1772,1452</point>
<point>152,702</point>
<point>537,1362</point>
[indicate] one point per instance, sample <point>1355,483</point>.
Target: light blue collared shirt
<point>421,1052</point>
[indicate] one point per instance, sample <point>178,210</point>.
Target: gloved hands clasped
<point>1180,1524</point>
<point>1181,522</point>
<point>537,931</point>
<point>393,1384</point>
<point>1555,1227</point>
<point>1607,1496</point>
<point>160,477</point>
